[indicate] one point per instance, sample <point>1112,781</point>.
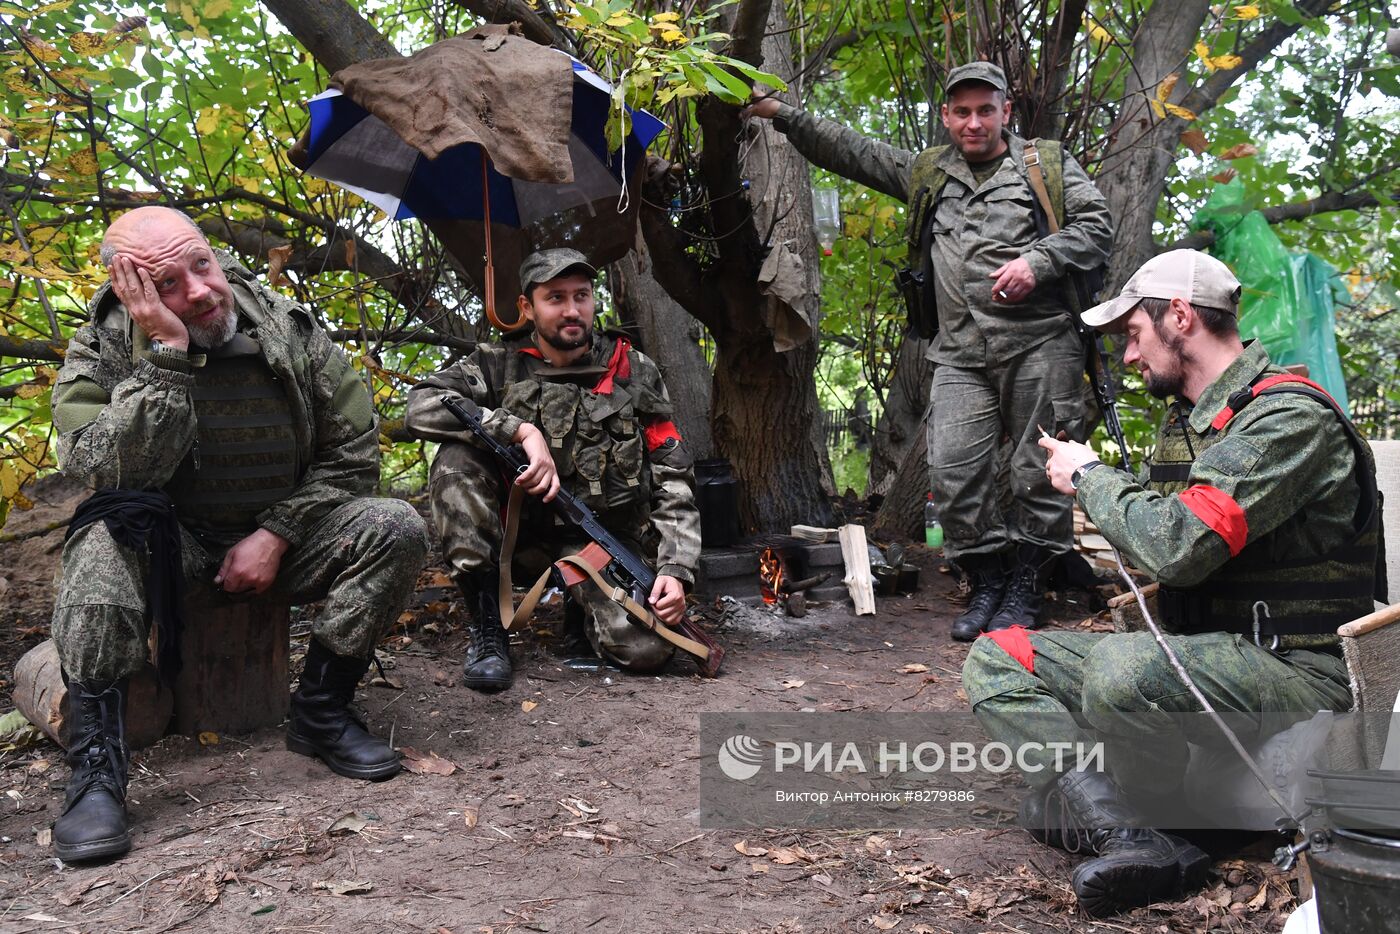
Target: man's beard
<point>1171,383</point>
<point>559,342</point>
<point>216,333</point>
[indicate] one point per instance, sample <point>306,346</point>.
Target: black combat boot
<point>487,667</point>
<point>1024,594</point>
<point>93,824</point>
<point>988,577</point>
<point>1133,866</point>
<point>1045,816</point>
<point>323,725</point>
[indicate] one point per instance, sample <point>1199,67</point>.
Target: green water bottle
<point>933,529</point>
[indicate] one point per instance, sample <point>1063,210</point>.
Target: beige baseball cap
<point>1197,277</point>
<point>985,72</point>
<point>545,265</point>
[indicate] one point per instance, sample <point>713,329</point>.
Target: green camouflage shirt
<point>128,423</point>
<point>636,402</point>
<point>1283,459</point>
<point>977,228</point>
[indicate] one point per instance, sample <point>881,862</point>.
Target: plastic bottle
<point>933,529</point>
<point>826,213</point>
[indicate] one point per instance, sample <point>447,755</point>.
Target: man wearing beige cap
<point>1257,516</point>
<point>1007,356</point>
<point>592,415</point>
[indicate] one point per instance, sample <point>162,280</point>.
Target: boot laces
<point>97,757</point>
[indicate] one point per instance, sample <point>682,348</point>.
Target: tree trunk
<point>670,336</point>
<point>901,423</point>
<point>901,513</point>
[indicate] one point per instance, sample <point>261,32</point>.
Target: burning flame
<point>770,575</point>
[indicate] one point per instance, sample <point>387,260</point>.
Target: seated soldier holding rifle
<point>593,418</point>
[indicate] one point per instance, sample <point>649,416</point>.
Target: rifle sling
<point>519,615</point>
<point>1037,180</point>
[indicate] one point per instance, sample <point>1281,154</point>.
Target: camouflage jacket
<point>630,411</point>
<point>976,229</point>
<point>1285,461</point>
<point>125,421</point>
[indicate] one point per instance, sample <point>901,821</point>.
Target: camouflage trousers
<point>971,411</point>
<point>1120,687</point>
<point>363,559</point>
<point>468,494</point>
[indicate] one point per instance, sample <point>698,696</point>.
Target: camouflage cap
<point>985,72</point>
<point>544,265</point>
<point>1197,277</point>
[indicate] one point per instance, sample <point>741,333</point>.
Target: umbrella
<point>492,130</point>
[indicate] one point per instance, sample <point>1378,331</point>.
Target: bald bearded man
<point>232,446</point>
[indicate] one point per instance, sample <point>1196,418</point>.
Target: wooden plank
<point>1370,622</point>
<point>812,533</point>
<point>858,579</point>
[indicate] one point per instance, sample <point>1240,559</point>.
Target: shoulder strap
<point>1046,174</point>
<point>1281,382</point>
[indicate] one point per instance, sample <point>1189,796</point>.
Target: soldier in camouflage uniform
<point>593,409</point>
<point>1259,489</point>
<point>194,380</point>
<point>1006,353</point>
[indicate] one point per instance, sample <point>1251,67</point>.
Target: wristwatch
<point>169,358</point>
<point>1080,472</point>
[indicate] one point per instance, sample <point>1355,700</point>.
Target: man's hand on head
<point>668,599</point>
<point>1014,281</point>
<point>1065,458</point>
<point>541,477</point>
<point>251,565</point>
<point>138,293</point>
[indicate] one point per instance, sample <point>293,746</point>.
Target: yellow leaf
<point>208,738</point>
<point>30,391</point>
<point>1227,61</point>
<point>27,10</point>
<point>1179,111</point>
<point>1247,11</point>
<point>208,121</point>
<point>87,44</point>
<point>666,18</point>
<point>83,162</point>
<point>213,9</point>
<point>1101,36</point>
<point>1203,53</point>
<point>620,19</point>
<point>43,51</point>
<point>23,502</point>
<point>1157,108</point>
<point>1164,90</point>
<point>9,480</point>
<point>528,705</point>
<point>673,35</point>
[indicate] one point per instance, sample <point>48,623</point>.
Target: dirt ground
<point>572,803</point>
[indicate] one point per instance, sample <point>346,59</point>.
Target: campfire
<point>776,586</point>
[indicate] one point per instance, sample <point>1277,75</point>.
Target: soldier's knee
<point>394,527</point>
<point>1115,671</point>
<point>994,666</point>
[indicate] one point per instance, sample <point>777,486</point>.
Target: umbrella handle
<point>490,284</point>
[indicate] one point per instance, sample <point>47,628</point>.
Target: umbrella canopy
<point>409,135</point>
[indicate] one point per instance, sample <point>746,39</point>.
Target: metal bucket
<point>717,498</point>
<point>1355,861</point>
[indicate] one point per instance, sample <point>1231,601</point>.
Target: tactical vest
<point>596,438</point>
<point>1306,599</point>
<point>243,459</point>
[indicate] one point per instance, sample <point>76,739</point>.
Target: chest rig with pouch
<point>243,459</point>
<point>1305,599</point>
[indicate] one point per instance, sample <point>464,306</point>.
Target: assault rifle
<point>1096,365</point>
<point>619,572</point>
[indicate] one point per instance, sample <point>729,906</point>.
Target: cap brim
<point>1108,312</point>
<point>551,275</point>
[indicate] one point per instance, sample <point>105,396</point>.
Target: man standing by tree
<point>596,410</point>
<point>1259,518</point>
<point>1007,356</point>
<point>194,380</point>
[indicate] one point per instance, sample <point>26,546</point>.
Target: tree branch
<point>49,351</point>
<point>749,24</point>
<point>536,26</point>
<point>828,49</point>
<point>1293,211</point>
<point>1207,94</point>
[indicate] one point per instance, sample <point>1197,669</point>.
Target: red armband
<point>1221,514</point>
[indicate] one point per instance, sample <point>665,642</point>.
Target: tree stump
<point>234,678</point>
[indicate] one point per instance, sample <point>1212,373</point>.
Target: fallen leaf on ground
<point>788,855</point>
<point>790,683</point>
<point>469,815</point>
<point>913,668</point>
<point>426,763</point>
<point>884,922</point>
<point>378,681</point>
<point>353,822</point>
<point>743,847</point>
<point>45,838</point>
<point>876,845</point>
<point>208,738</point>
<point>528,705</point>
<point>344,888</point>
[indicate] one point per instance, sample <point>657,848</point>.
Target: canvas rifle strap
<point>1037,180</point>
<point>576,569</point>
